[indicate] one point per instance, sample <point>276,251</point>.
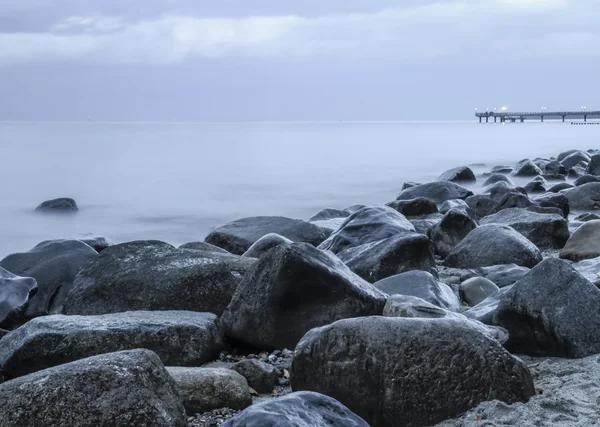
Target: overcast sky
<point>294,59</point>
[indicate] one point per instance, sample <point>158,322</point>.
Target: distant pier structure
<point>513,117</point>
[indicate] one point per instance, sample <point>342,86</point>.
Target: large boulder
<point>437,192</point>
<point>511,200</point>
<point>152,275</point>
<point>15,293</point>
<point>593,167</point>
<point>566,154</point>
<point>203,246</point>
<point>423,224</point>
<point>367,225</point>
<point>300,409</point>
<point>586,196</point>
<point>408,372</point>
<point>449,232</point>
<point>546,231</point>
<point>205,389</point>
<point>586,179</point>
<point>179,338</point>
<point>460,174</point>
<point>292,289</point>
<point>559,187</point>
<point>496,177</point>
<point>264,244</point>
<point>420,284</point>
<point>97,243</point>
<point>584,243</point>
<point>261,376</point>
<point>378,260</point>
<point>330,213</point>
<point>414,307</point>
<point>63,204</point>
<point>554,167</point>
<point>481,204</point>
<point>414,207</point>
<point>527,168</point>
<point>237,236</point>
<point>493,244</point>
<point>552,311</point>
<point>54,265</point>
<point>124,389</point>
<point>552,200</point>
<point>574,159</point>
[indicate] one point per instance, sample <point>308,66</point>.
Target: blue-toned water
<point>176,181</point>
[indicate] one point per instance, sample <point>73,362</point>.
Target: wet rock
<point>546,231</point>
<point>329,225</point>
<point>292,289</point>
<point>528,168</point>
<point>584,243</point>
<point>63,204</point>
<point>129,388</point>
<point>54,264</point>
<point>574,159</point>
<point>590,269</point>
<point>502,169</point>
<point>410,184</point>
<point>475,290</point>
<point>300,409</point>
<point>377,260</point>
<point>566,154</point>
<point>205,389</point>
<point>499,189</point>
<point>438,192</point>
<point>554,167</point>
<point>585,179</point>
<point>203,246</point>
<point>237,236</point>
<point>414,207</point>
<point>423,224</point>
<point>485,310</point>
<point>98,243</point>
<point>585,217</point>
<point>551,200</point>
<point>554,177</point>
<point>586,196</point>
<point>593,167</point>
<point>552,311</point>
<point>15,293</point>
<point>493,244</point>
<point>459,204</point>
<point>559,187</point>
<point>330,213</point>
<point>451,230</point>
<point>179,338</point>
<point>502,275</point>
<point>261,376</point>
<point>481,204</point>
<point>420,284</point>
<point>512,200</point>
<point>460,174</point>
<point>535,187</point>
<point>386,390</point>
<point>152,275</point>
<point>367,225</point>
<point>497,177</point>
<point>264,244</point>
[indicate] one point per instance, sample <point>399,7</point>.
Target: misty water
<point>176,181</point>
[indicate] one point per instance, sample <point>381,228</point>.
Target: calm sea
<point>177,181</point>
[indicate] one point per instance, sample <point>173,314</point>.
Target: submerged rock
<point>414,207</point>
<point>574,159</point>
<point>528,168</point>
<point>497,177</point>
<point>426,385</point>
<point>438,192</point>
<point>15,293</point>
<point>63,204</point>
<point>460,174</point>
<point>237,236</point>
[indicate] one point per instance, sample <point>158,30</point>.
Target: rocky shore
<point>472,300</point>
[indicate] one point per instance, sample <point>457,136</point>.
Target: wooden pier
<point>505,116</point>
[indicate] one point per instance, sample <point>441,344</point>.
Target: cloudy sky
<point>231,60</point>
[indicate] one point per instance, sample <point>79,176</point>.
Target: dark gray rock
<point>292,289</point>
<point>574,159</point>
<point>300,409</point>
<point>261,376</point>
<point>203,246</point>
<point>502,169</point>
<point>367,225</point>
<point>554,177</point>
<point>512,200</point>
<point>552,200</point>
<point>420,284</point>
<point>15,293</point>
<point>237,236</point>
<point>481,204</point>
<point>54,265</point>
<point>152,275</point>
<point>420,388</point>
<point>451,230</point>
<point>535,187</point>
<point>497,177</point>
<point>577,171</point>
<point>475,290</point>
<point>528,168</point>
<point>98,243</point>
<point>414,207</point>
<point>329,225</point>
<point>559,187</point>
<point>585,179</point>
<point>63,204</point>
<point>414,307</point>
<point>552,311</point>
<point>566,154</point>
<point>437,192</point>
<point>493,244</point>
<point>354,208</point>
<point>378,260</point>
<point>460,205</point>
<point>590,269</point>
<point>129,388</point>
<point>586,196</point>
<point>409,184</point>
<point>584,243</point>
<point>205,389</point>
<point>424,223</point>
<point>593,167</point>
<point>330,213</point>
<point>554,167</point>
<point>3,332</point>
<point>265,244</point>
<point>546,231</point>
<point>585,217</point>
<point>485,310</point>
<point>460,174</point>
<point>180,338</point>
<point>503,275</point>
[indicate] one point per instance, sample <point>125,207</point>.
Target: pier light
<point>504,108</point>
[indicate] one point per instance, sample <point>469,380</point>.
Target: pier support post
<point>585,118</point>
<point>542,119</point>
<point>487,119</point>
<point>522,119</point>
<point>563,118</point>
<point>495,119</point>
<point>480,119</point>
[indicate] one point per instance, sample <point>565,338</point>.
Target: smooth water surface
<point>176,181</point>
